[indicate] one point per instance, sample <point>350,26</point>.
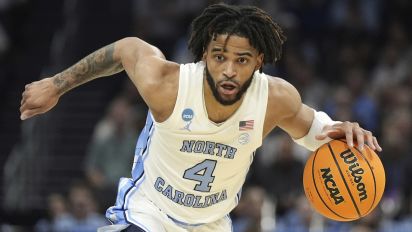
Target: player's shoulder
<point>160,70</point>
<point>283,98</point>
<point>280,89</point>
<point>193,67</point>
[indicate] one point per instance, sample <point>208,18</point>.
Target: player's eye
<point>219,58</point>
<point>242,60</point>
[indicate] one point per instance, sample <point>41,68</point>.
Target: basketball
<point>343,183</point>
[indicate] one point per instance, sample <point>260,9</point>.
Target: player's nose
<point>230,70</point>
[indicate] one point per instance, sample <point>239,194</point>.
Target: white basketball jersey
<point>191,168</point>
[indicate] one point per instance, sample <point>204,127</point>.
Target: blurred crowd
<point>349,58</point>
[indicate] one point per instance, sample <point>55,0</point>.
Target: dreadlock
<point>250,22</point>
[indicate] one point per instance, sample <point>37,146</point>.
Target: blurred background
<point>349,58</point>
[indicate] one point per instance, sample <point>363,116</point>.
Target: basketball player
<point>205,122</point>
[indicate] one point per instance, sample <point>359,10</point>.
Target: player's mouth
<point>228,88</point>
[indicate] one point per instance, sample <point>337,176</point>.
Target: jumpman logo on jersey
<point>187,126</point>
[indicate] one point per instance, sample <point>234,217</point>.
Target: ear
<point>259,61</point>
<point>204,55</point>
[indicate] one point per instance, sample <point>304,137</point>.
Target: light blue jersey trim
<point>128,186</point>
<point>142,146</point>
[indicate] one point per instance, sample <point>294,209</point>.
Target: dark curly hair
<point>250,22</point>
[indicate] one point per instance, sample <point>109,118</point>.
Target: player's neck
<point>216,111</point>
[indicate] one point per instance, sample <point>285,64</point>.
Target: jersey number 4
<point>203,173</point>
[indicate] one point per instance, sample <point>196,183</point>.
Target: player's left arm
<point>306,126</point>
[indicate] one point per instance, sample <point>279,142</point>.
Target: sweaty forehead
<point>232,44</point>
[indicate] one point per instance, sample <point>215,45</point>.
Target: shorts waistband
<point>180,223</point>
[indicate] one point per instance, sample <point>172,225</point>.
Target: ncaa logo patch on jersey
<point>187,116</point>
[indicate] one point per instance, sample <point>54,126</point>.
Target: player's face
<point>230,66</point>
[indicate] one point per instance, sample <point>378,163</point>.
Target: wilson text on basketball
<point>355,171</point>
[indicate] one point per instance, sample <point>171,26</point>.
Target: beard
<point>213,86</point>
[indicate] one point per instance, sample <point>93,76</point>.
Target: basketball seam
<point>374,181</point>
<point>316,188</point>
<point>344,181</point>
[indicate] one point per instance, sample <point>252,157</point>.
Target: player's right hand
<point>38,97</point>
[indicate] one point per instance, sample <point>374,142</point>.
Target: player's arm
<point>130,54</point>
<point>306,126</point>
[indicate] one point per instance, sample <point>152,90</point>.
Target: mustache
<point>228,80</point>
